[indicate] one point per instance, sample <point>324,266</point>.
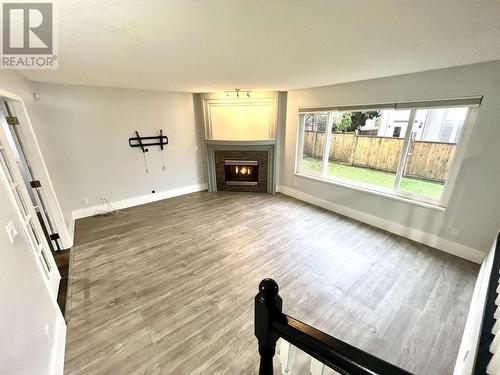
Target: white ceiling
<point>207,45</point>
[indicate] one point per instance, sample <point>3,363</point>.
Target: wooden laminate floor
<point>168,288</point>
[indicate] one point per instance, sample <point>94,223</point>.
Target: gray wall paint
<point>474,207</point>
<point>84,136</point>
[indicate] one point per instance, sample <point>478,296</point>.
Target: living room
<point>173,156</point>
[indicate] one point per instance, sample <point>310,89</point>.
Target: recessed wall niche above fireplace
<point>241,140</point>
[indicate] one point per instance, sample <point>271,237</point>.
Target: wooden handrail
<point>271,324</point>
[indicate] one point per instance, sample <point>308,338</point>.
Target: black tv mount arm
<point>161,140</point>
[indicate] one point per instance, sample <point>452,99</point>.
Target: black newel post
<point>268,306</point>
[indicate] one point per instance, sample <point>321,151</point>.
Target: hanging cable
<point>163,168</point>
<point>145,162</point>
<point>108,209</point>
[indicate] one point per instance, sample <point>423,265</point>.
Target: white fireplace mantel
<point>259,142</point>
<point>244,123</point>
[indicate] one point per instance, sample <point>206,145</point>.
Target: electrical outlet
<point>85,201</point>
<point>454,232</point>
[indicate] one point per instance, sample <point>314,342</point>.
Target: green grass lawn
<point>374,177</point>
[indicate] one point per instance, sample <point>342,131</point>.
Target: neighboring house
<point>433,125</point>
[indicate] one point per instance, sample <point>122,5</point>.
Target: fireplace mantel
<point>244,124</point>
<point>263,142</point>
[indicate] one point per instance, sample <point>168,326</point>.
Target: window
<point>314,135</point>
<point>407,152</point>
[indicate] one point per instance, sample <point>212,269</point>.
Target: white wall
<point>84,136</point>
<point>474,207</point>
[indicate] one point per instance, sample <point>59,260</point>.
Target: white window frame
<point>397,194</point>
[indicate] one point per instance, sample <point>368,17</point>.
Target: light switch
<point>11,231</point>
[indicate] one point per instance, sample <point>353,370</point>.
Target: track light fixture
<point>237,93</point>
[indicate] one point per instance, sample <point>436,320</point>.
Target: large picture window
<point>403,151</point>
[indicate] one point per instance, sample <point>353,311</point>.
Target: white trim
<point>134,201</point>
<point>442,244</point>
<point>32,229</point>
<point>38,163</point>
<point>326,144</point>
<point>469,101</point>
<point>267,99</point>
<point>141,199</point>
<point>71,230</point>
<point>225,142</point>
<point>470,338</point>
<point>57,363</point>
<point>10,95</point>
<point>403,157</point>
<point>299,143</point>
<point>439,203</point>
<point>461,147</point>
<point>397,196</point>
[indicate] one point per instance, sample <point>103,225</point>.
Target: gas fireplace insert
<point>241,172</point>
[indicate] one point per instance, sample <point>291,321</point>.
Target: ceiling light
<point>237,92</point>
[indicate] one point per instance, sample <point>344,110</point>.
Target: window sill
<point>374,191</point>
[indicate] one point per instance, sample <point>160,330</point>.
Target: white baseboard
<point>472,331</point>
<point>134,201</point>
<point>57,360</point>
<point>71,232</point>
<point>442,244</point>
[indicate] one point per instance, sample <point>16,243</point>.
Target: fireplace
<point>241,169</point>
<point>242,129</point>
<point>241,172</point>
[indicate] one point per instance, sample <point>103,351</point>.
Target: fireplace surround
<point>241,166</point>
<point>239,130</point>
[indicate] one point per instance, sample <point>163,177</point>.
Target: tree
<point>351,121</point>
<point>316,121</point>
<point>344,124</point>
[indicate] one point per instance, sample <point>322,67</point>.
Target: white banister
<point>317,368</point>
<point>287,356</point>
<point>287,353</point>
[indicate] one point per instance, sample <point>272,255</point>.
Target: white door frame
<point>10,173</point>
<point>34,154</point>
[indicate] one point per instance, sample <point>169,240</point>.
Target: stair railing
<point>271,324</point>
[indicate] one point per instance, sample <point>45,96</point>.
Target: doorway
<point>11,127</point>
<point>18,176</point>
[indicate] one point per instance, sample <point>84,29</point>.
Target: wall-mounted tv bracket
<point>160,140</point>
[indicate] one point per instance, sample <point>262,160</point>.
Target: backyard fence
<point>428,160</point>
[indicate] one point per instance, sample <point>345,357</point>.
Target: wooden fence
<point>428,160</point>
